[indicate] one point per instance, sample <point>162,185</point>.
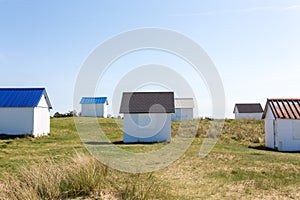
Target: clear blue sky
<point>255,44</point>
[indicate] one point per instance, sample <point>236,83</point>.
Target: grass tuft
<point>81,176</point>
<point>137,188</point>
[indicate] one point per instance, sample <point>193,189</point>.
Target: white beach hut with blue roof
<point>24,111</point>
<point>94,107</point>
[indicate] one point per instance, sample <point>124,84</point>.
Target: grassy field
<point>59,167</point>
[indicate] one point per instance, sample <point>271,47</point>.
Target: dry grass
<point>54,180</point>
<point>82,177</point>
<point>242,131</point>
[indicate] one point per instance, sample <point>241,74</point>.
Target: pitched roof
<point>22,97</point>
<point>284,108</point>
<point>184,103</point>
<point>248,108</point>
<point>147,102</point>
<point>93,100</point>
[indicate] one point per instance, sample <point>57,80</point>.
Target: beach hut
<point>248,111</point>
<point>24,111</point>
<point>147,116</point>
<point>282,124</point>
<point>184,109</point>
<point>94,107</point>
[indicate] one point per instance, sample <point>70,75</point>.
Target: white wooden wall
<point>41,124</point>
<point>288,134</point>
<point>247,115</point>
<point>147,128</point>
<point>182,114</point>
<point>94,110</point>
<point>16,121</point>
<point>41,121</point>
<point>269,129</point>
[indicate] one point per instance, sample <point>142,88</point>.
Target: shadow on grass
<point>121,143</point>
<point>7,137</point>
<point>104,143</point>
<point>264,148</point>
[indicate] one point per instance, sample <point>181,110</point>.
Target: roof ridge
<point>247,104</point>
<point>93,97</point>
<point>283,99</point>
<point>42,88</point>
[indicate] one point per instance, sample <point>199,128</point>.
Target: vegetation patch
<point>82,176</point>
<point>59,167</point>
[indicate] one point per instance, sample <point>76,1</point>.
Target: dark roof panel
<point>147,102</point>
<point>22,97</point>
<point>248,108</point>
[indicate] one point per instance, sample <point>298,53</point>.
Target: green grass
<point>62,143</point>
<point>238,167</point>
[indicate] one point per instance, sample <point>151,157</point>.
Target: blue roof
<point>22,97</point>
<point>93,100</point>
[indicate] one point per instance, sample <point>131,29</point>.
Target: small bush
<point>247,130</point>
